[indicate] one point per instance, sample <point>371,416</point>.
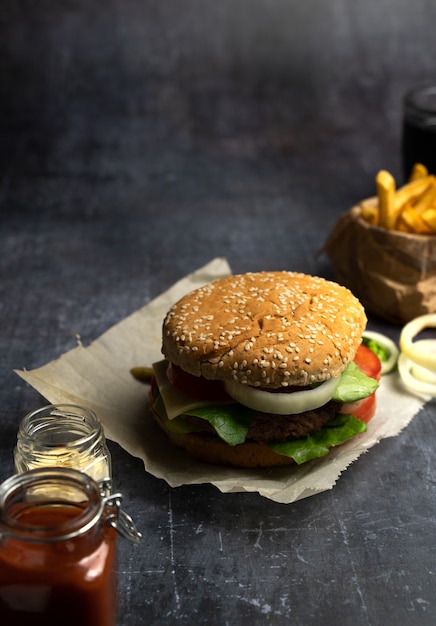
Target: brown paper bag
<point>392,273</point>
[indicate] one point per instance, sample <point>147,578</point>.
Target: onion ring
<point>414,350</point>
<point>407,370</point>
<point>420,372</point>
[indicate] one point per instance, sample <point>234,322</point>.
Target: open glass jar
<point>58,531</point>
<point>63,435</point>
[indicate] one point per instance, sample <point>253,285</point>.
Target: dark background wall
<point>236,76</point>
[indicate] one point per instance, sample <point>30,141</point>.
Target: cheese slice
<point>175,400</point>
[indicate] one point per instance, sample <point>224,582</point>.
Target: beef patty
<point>269,427</point>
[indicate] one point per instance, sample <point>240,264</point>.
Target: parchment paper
<point>98,376</point>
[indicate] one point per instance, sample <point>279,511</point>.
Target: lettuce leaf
<point>231,421</point>
<point>336,431</point>
<point>354,385</point>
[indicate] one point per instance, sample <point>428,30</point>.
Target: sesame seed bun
<point>266,329</point>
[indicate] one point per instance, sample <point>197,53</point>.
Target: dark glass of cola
<point>419,129</point>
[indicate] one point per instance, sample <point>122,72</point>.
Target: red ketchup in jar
<point>58,535</point>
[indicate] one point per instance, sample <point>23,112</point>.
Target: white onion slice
<point>280,403</point>
<point>422,373</point>
<point>408,373</point>
<point>417,351</point>
<point>419,371</point>
<point>390,347</point>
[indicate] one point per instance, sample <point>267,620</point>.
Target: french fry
<point>403,227</point>
<point>429,217</point>
<point>412,221</point>
<point>385,184</point>
<point>370,214</point>
<point>427,198</point>
<point>418,171</point>
<point>409,209</point>
<point>410,192</point>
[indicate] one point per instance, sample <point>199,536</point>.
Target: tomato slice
<point>196,386</point>
<point>368,362</point>
<point>362,409</point>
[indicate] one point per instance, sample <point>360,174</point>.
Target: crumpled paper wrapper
<point>392,273</point>
<point>98,376</point>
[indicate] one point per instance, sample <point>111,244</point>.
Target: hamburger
<point>264,369</point>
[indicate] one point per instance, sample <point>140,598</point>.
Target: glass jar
<point>58,531</point>
<point>63,435</point>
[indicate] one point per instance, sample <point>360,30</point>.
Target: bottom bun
<point>211,449</point>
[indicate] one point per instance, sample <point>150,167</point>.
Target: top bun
<point>266,329</point>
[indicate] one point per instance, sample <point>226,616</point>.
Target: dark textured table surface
<point>139,140</point>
